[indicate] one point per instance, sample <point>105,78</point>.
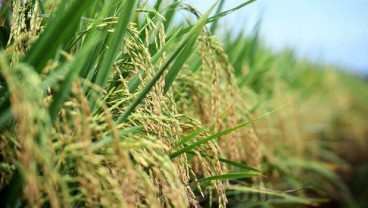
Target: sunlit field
<point>133,103</point>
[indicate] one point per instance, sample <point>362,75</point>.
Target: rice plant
<point>110,103</point>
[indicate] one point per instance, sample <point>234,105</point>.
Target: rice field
<point>134,103</point>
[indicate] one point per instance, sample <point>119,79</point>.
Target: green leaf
<point>170,42</point>
<point>217,135</point>
<point>134,82</point>
<point>228,176</point>
<point>178,64</point>
<point>4,36</point>
<point>124,117</point>
<point>218,11</point>
<point>169,16</point>
<point>189,137</point>
<point>229,162</point>
<point>122,133</point>
<point>52,38</point>
<point>288,198</point>
<point>74,69</point>
<point>9,195</point>
<point>5,116</point>
<point>219,16</point>
<point>227,12</point>
<point>238,165</point>
<point>323,170</point>
<point>116,42</point>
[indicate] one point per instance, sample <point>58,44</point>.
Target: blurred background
<point>328,31</point>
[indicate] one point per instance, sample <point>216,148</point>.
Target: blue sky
<point>333,31</point>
